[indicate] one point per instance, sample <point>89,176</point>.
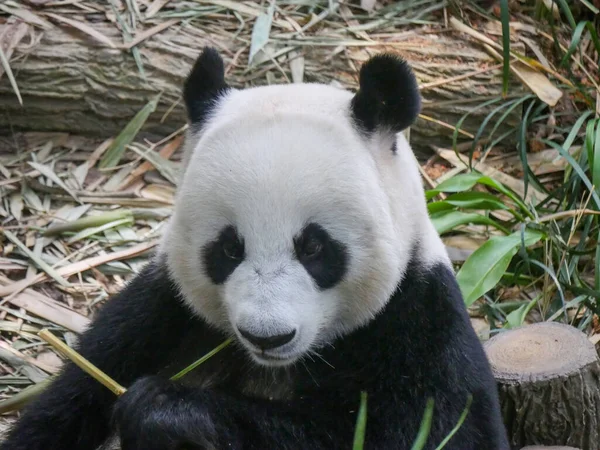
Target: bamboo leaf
<point>448,220</point>
<point>458,183</point>
<point>486,265</point>
<point>464,182</point>
<point>89,221</point>
<point>95,230</point>
<point>167,168</point>
<point>468,200</point>
<point>26,396</point>
<point>260,32</point>
<point>27,15</point>
<point>9,74</point>
<point>38,261</point>
<point>49,173</point>
<point>117,147</point>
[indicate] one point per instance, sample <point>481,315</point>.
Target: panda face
<point>280,217</point>
<point>298,209</point>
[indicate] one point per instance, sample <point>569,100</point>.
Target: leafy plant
<point>544,252</point>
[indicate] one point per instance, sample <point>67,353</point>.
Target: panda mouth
<point>268,357</point>
<point>271,359</point>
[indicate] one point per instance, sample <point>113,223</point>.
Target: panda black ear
<point>204,84</point>
<point>388,97</point>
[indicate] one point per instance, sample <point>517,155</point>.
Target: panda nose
<point>268,342</point>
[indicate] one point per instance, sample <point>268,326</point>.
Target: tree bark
<point>548,376</point>
<point>70,82</point>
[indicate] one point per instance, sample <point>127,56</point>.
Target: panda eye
<point>311,247</point>
<point>231,244</point>
<point>233,249</point>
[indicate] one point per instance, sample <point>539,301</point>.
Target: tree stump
<point>548,378</point>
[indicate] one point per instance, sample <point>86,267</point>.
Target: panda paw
<point>158,414</point>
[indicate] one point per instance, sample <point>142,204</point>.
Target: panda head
<point>299,208</point>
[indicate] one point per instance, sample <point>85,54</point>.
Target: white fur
<point>269,161</point>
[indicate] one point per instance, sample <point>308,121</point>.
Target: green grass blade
<point>484,268</point>
<point>596,159</point>
<point>597,268</point>
<point>591,7</point>
<point>517,317</point>
<point>575,40</point>
<point>505,19</point>
<point>483,126</point>
<point>567,12</point>
<point>594,35</point>
<point>461,420</point>
<point>425,427</point>
<point>209,355</point>
<point>522,147</point>
<point>512,105</point>
<point>590,131</point>
<point>361,424</point>
<point>575,166</point>
<point>117,148</point>
<point>464,117</point>
<point>574,133</point>
<point>552,275</point>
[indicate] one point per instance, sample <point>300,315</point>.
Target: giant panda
<point>301,232</point>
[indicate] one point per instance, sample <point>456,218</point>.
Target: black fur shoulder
<point>133,335</point>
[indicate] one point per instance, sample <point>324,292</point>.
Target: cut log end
<point>539,352</point>
<point>548,378</point>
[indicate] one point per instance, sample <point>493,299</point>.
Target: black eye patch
<point>223,255</point>
<point>324,258</point>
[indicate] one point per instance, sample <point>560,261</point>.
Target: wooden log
<point>72,83</point>
<point>548,377</point>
